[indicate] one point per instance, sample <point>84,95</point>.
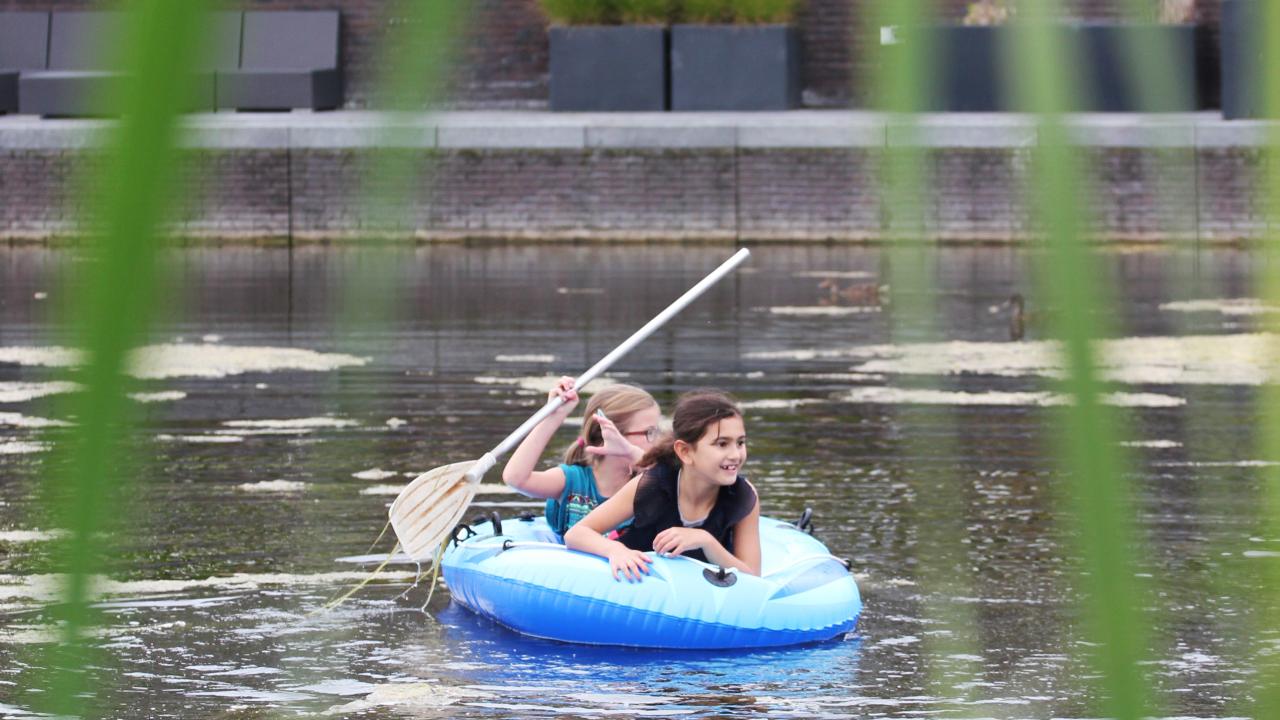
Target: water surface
<point>276,427</point>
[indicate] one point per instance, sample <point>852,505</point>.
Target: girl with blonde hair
<point>619,425</point>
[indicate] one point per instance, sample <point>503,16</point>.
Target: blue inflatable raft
<point>516,573</point>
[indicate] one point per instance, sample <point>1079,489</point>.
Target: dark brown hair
<point>695,411</point>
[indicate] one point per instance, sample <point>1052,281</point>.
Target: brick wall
<point>504,58</point>
<point>976,194</point>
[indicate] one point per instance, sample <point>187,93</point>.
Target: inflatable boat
<point>517,573</point>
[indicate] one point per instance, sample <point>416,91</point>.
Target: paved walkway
<point>514,130</point>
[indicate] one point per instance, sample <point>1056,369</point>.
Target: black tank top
<point>657,508</point>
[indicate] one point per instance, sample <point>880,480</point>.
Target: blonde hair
<point>619,403</point>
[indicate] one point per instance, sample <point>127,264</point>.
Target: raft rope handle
<point>375,542</point>
<point>335,602</point>
<point>435,574</point>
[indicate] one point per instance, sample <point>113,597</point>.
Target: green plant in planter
<point>577,12</point>
<point>737,12</point>
<point>645,12</point>
<point>1177,12</point>
<point>762,12</point>
<point>609,12</point>
<point>988,12</point>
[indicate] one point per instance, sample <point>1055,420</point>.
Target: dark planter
<point>969,74</point>
<point>1242,59</point>
<point>972,69</point>
<point>1108,80</point>
<point>609,68</point>
<point>735,67</point>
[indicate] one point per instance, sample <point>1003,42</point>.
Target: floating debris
<point>19,447</point>
<point>273,486</point>
<point>200,438</point>
<point>1231,359</point>
<point>1157,444</point>
<point>292,423</point>
<point>821,310</point>
<point>155,397</point>
<point>17,392</point>
<point>779,404</point>
<point>192,360</point>
<point>926,396</point>
<point>30,536</point>
<point>1226,306</point>
<point>27,421</point>
<point>524,358</point>
<point>541,383</point>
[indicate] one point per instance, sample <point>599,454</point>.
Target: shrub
<point>707,12</point>
<point>579,12</point>
<point>662,12</point>
<point>1177,12</point>
<point>645,12</point>
<point>988,12</point>
<point>758,12</point>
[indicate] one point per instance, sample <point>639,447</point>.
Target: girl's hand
<point>564,389</point>
<point>615,443</point>
<point>631,563</point>
<point>679,540</point>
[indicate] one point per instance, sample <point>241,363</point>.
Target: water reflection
<point>528,673</point>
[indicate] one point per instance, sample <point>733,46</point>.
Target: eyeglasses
<point>649,434</point>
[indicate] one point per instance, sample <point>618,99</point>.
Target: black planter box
<point>1242,77</point>
<point>599,68</point>
<point>1109,81</point>
<point>973,67</point>
<point>735,67</point>
<point>969,74</point>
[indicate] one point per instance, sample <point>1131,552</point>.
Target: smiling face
<point>719,454</point>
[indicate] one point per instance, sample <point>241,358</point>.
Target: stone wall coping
<point>513,130</point>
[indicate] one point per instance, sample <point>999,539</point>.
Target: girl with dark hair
<point>620,423</point>
<point>690,500</point>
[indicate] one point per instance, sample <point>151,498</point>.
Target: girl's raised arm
<point>519,472</point>
<point>588,534</point>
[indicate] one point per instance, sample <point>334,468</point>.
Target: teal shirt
<point>580,496</point>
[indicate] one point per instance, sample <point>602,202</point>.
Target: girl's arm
<point>746,543</point>
<point>519,472</point>
<point>588,534</point>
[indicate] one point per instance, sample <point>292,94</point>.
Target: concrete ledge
<point>1132,131</point>
<point>38,135</point>
<point>355,138</point>
<point>964,130</point>
<point>1237,133</point>
<point>801,129</point>
<point>644,137</point>
<point>868,133</point>
<point>803,176</point>
<point>563,137</point>
<point>248,138</point>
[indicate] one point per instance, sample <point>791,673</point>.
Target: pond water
<point>276,427</point>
